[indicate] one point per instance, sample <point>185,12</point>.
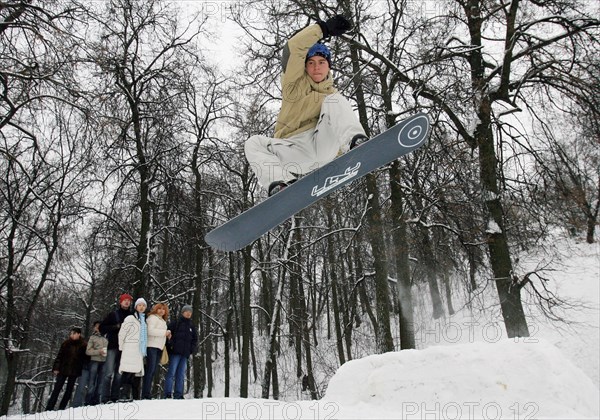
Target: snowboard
<point>399,140</point>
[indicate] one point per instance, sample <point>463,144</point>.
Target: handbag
<point>164,358</point>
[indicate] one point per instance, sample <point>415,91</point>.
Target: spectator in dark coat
<point>183,343</point>
<point>82,384</point>
<point>111,378</point>
<point>67,367</point>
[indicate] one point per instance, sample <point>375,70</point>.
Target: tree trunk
<point>207,373</point>
<point>246,322</point>
<point>375,232</point>
<point>349,309</point>
<point>8,338</point>
<point>275,378</point>
<point>336,319</point>
<point>430,267</point>
<point>331,264</point>
<point>271,361</point>
<point>362,289</point>
<point>447,287</point>
<point>385,341</point>
<point>306,340</point>
<point>142,263</point>
<point>266,296</point>
<point>295,315</point>
<point>253,356</point>
<point>472,285</point>
<point>592,218</point>
<point>198,360</point>
<point>434,292</point>
<point>12,359</point>
<point>401,247</point>
<point>497,237</point>
<point>497,241</point>
<point>198,256</point>
<point>228,336</point>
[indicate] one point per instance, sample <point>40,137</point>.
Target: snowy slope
<point>577,280</point>
<point>552,374</point>
<point>508,379</point>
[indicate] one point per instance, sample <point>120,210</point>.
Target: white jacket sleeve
<point>125,326</point>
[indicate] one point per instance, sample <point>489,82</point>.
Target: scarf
<point>143,334</point>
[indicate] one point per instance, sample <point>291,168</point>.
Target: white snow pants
<point>285,159</point>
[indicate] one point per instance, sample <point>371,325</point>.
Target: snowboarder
<point>315,123</point>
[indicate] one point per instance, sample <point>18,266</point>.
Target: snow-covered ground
<point>465,369</point>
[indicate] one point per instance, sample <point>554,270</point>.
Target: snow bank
<point>507,379</point>
<point>511,380</point>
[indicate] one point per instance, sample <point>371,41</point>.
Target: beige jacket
<point>94,348</point>
<point>302,98</point>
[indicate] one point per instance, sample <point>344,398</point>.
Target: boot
<point>277,186</point>
<point>358,140</point>
<point>125,394</point>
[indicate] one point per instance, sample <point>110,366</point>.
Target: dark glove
<point>335,26</point>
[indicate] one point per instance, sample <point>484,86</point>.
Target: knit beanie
<point>140,300</point>
<point>125,296</point>
<point>186,308</point>
<point>320,50</point>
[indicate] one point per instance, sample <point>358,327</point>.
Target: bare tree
<point>43,189</point>
<point>568,170</point>
<point>489,63</point>
<point>140,55</point>
<point>44,160</point>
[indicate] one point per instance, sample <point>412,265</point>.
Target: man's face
<point>125,303</point>
<point>187,314</point>
<point>317,68</point>
<point>74,335</point>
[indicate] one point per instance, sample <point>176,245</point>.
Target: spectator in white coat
<point>133,340</point>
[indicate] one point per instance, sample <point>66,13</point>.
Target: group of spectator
<point>123,354</point>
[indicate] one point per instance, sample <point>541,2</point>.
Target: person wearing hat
<point>110,326</point>
<point>315,123</point>
<point>133,341</point>
<point>182,344</point>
